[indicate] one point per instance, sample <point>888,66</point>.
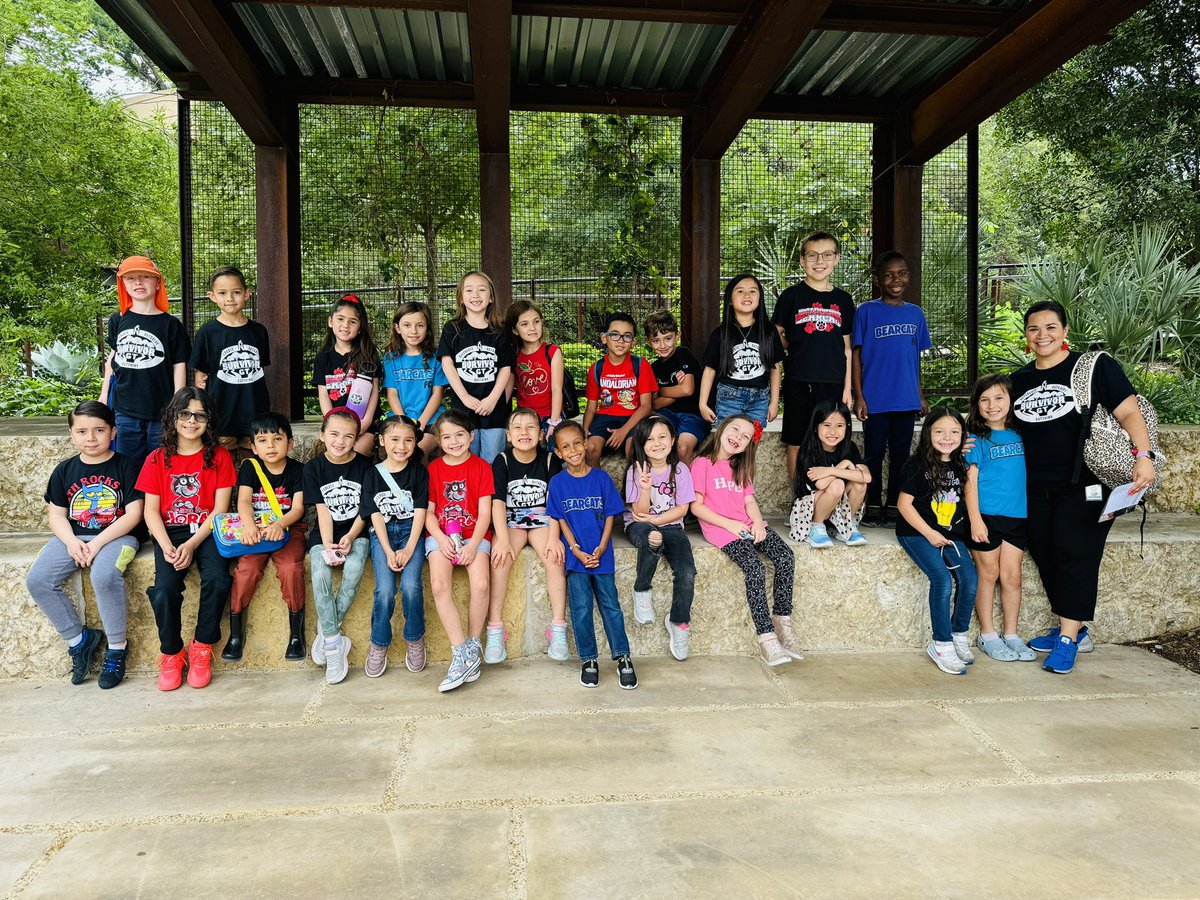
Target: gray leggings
<point>107,571</point>
<point>745,554</point>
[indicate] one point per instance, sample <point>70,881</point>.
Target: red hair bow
<point>758,430</point>
<point>352,298</point>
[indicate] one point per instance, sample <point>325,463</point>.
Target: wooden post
<point>699,244</point>
<point>896,207</point>
<point>495,225</point>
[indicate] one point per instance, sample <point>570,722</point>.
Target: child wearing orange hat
<point>148,362</point>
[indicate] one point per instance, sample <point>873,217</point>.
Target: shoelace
<point>110,663</point>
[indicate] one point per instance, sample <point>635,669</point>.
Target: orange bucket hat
<point>145,266</point>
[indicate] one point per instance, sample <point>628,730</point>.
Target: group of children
<point>494,485</point>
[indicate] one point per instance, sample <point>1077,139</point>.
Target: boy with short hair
<point>229,356</point>
<point>148,362</point>
<point>676,370</point>
<point>94,510</point>
<point>815,322</point>
<point>582,504</point>
<point>285,476</point>
<point>620,389</point>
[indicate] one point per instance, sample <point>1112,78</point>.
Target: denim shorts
<point>431,547</point>
<point>686,423</point>
<point>602,425</point>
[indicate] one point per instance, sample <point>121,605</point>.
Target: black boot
<point>295,647</point>
<point>236,643</point>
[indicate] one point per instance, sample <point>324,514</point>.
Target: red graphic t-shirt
<point>186,489</point>
<point>455,492</point>
<point>533,380</point>
<point>619,391</point>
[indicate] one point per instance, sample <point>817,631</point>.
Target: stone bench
<point>846,598</point>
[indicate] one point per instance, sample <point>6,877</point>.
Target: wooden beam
<point>817,108</point>
<point>699,243</point>
<point>380,92</point>
<point>211,45</point>
<point>1042,37</point>
<point>922,17</point>
<point>754,57</point>
<point>602,100</point>
<point>896,201</point>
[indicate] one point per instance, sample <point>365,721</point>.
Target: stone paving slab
<point>664,752</point>
<point>1102,840</point>
<point>443,853</point>
<point>17,852</point>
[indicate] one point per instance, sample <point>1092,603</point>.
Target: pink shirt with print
<point>722,494</point>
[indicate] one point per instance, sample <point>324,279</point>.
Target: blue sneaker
<point>1062,658</point>
<point>1044,643</point>
<point>818,537</point>
<point>853,539</point>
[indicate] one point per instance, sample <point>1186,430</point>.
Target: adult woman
<point>1066,538</point>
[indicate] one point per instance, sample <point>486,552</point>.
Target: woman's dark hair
<point>363,356</point>
<point>940,471</point>
<point>742,465</point>
<point>93,409</point>
<point>230,271</point>
<point>170,435</point>
<point>641,434</point>
<point>812,451</point>
<point>976,423</point>
<point>1048,306</point>
<point>731,331</point>
<point>396,346</point>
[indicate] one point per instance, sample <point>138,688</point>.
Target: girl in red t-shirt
<point>187,480</point>
<point>539,366</point>
<point>459,526</point>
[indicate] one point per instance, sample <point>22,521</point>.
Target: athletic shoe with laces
<point>112,670</point>
<point>557,637</point>
<point>626,674</point>
<point>81,654</point>
<point>589,674</point>
<point>946,658</point>
<point>318,647</point>
<point>853,539</point>
<point>457,673</point>
<point>170,670</point>
<point>1044,643</point>
<point>818,537</point>
<point>962,646</point>
<point>495,651</point>
<point>1062,658</point>
<point>786,636</point>
<point>376,663</point>
<point>337,661</point>
<point>678,636</point>
<point>873,518</point>
<point>474,658</point>
<point>772,651</point>
<point>414,655</point>
<point>643,607</point>
<point>200,657</point>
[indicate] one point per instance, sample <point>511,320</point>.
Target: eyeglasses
<point>618,336</point>
<point>188,415</point>
<point>823,256</point>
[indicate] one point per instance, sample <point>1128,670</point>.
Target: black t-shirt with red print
<point>816,324</point>
<point>286,485</point>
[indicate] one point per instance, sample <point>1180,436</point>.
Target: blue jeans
<point>580,588</point>
<point>747,401</point>
<point>331,609</point>
<point>136,438</point>
<point>412,594</point>
<point>488,443</point>
<point>945,583</point>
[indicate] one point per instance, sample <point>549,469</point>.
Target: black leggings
<point>1067,544</point>
<point>745,554</point>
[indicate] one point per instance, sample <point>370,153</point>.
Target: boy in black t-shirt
<point>272,444</point>
<point>229,357</point>
<point>94,511</point>
<point>677,371</point>
<point>148,362</point>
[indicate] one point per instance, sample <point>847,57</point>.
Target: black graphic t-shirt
<point>286,485</point>
<point>478,356</point>
<point>233,358</point>
<point>334,372</point>
<point>751,365</point>
<point>668,372</point>
<point>378,496</point>
<point>146,350</point>
<point>940,506</point>
<point>816,325</point>
<point>1050,424</point>
<point>826,458</point>
<point>338,487</point>
<point>94,495</point>
<point>523,487</point>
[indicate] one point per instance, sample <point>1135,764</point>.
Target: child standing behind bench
<point>620,390</point>
<point>677,372</point>
<point>94,507</point>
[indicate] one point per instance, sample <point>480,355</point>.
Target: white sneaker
<point>457,673</point>
<point>962,646</point>
<point>679,638</point>
<point>495,652</point>
<point>318,647</point>
<point>945,658</point>
<point>557,636</point>
<point>337,662</point>
<point>643,607</point>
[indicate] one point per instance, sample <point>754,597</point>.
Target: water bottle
<point>359,396</point>
<point>454,531</point>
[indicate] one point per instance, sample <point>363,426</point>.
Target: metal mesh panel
<point>944,269</point>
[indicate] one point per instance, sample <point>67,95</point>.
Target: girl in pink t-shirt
<point>723,478</point>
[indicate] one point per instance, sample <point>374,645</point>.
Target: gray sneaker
<point>557,636</point>
<point>318,647</point>
<point>376,663</point>
<point>678,635</point>
<point>337,661</point>
<point>495,652</point>
<point>643,607</point>
<point>457,672</point>
<point>962,646</point>
<point>473,654</point>
<point>414,655</point>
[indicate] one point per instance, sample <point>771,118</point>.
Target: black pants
<point>745,553</point>
<point>892,433</point>
<point>1067,544</point>
<point>166,596</point>
<point>678,550</point>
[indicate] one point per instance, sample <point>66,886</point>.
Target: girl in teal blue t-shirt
<point>412,374</point>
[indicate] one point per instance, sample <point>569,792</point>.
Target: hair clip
<point>352,298</point>
<point>758,431</point>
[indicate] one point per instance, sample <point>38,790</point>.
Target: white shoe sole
<point>371,674</point>
<point>824,546</point>
<point>344,655</point>
<point>776,662</point>
<point>671,639</point>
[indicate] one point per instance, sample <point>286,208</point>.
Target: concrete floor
<point>845,775</point>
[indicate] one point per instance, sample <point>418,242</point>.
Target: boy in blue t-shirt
<point>889,336</point>
<point>582,503</point>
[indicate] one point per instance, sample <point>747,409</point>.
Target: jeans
<point>136,438</point>
<point>331,610</point>
<point>945,583</point>
<point>678,550</point>
<point>488,443</point>
<point>166,596</point>
<point>686,423</point>
<point>580,588</point>
<point>891,433</point>
<point>748,401</point>
<point>412,594</point>
<point>107,573</point>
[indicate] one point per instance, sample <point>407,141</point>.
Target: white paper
<point>1121,500</point>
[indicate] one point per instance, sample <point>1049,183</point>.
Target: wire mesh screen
<point>781,181</point>
<point>944,269</point>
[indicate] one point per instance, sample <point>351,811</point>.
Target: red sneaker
<point>170,670</point>
<point>200,658</point>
